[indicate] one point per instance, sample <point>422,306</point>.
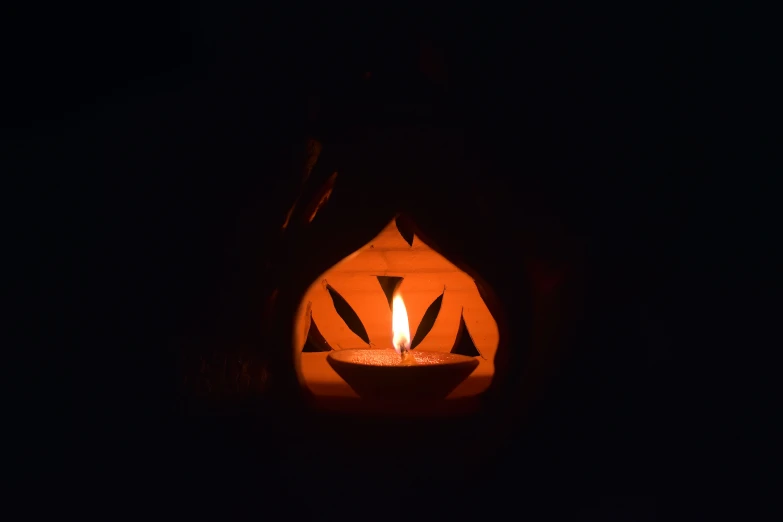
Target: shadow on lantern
<point>352,334</point>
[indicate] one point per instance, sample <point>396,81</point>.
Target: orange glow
<point>400,329</point>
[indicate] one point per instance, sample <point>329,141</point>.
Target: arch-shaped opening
<point>350,307</point>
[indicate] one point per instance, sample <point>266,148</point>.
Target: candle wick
<point>404,351</point>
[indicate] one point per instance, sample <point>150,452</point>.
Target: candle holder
<point>382,374</point>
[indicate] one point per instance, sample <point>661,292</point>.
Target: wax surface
<point>392,358</point>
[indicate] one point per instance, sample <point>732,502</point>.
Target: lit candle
<point>401,333</point>
<point>402,373</point>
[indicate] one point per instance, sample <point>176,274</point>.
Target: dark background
<point>148,141</point>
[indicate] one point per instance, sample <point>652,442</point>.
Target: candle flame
<point>400,329</point>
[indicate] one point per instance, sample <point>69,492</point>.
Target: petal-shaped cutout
<point>348,315</point>
<point>320,198</point>
<point>315,340</point>
<point>427,321</point>
<point>310,158</point>
<point>463,344</point>
<point>390,284</point>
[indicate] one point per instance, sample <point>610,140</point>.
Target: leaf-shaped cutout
<point>405,228</point>
<point>463,343</point>
<point>315,340</point>
<point>312,151</point>
<point>428,321</point>
<point>320,198</point>
<point>389,284</point>
<point>348,315</point>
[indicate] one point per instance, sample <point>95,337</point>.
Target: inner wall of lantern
<point>353,287</point>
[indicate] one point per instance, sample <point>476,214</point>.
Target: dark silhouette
<point>173,203</point>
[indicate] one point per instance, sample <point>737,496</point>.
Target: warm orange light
<point>400,329</point>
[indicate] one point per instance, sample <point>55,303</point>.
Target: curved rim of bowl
<point>450,359</point>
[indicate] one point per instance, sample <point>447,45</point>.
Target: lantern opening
<point>358,304</point>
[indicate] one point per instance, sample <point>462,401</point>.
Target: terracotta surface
<point>380,374</point>
<point>323,381</point>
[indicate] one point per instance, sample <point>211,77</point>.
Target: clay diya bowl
<point>381,374</point>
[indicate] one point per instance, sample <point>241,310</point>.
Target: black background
<point>143,136</point>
